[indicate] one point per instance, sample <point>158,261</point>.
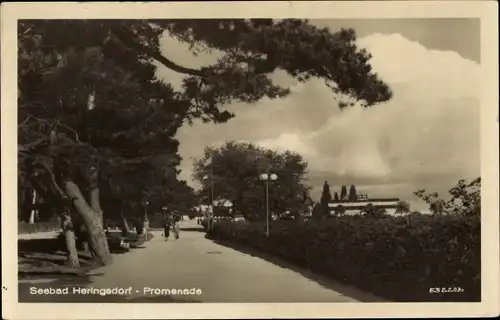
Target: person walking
<point>171,223</point>
<point>175,226</point>
<point>167,225</point>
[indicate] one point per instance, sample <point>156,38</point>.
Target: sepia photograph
<point>249,160</point>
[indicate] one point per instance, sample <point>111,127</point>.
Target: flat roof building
<point>355,207</point>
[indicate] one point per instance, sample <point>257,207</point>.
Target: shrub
<point>397,258</point>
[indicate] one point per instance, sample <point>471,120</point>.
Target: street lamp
<point>267,178</point>
<point>211,201</point>
<point>145,203</point>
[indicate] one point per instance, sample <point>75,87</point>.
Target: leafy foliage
<point>103,103</point>
<point>318,211</point>
<point>340,210</point>
<point>234,171</point>
<point>403,207</point>
<point>465,198</point>
<point>407,256</point>
<point>293,45</point>
<point>373,211</point>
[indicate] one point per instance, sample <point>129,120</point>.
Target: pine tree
<point>336,197</point>
<point>352,194</point>
<point>343,193</point>
<point>326,198</point>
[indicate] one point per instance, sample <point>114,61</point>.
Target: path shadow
<point>192,229</point>
<point>42,245</point>
<point>47,255</point>
<point>322,280</point>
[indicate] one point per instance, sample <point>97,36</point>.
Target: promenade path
<point>221,273</point>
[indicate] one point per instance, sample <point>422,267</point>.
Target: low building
<point>355,207</point>
<point>221,208</point>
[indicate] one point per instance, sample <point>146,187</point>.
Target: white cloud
<point>444,73</point>
<point>427,136</point>
<point>431,127</point>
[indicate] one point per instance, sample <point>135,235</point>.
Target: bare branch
<point>29,146</point>
<point>26,31</point>
<point>72,130</point>
<point>52,179</point>
<point>25,121</point>
<point>52,126</point>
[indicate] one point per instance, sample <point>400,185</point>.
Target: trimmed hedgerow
<point>396,258</point>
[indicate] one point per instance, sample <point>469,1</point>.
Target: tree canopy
<point>64,63</point>
<point>403,207</point>
<point>234,169</point>
<point>92,114</point>
<point>465,198</point>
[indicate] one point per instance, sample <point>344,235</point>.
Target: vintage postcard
<point>249,160</point>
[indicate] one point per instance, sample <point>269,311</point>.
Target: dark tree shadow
<point>49,256</point>
<point>192,229</point>
<point>44,245</point>
<point>41,256</point>
<point>322,280</point>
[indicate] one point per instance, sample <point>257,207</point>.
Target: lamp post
<point>211,201</point>
<point>164,212</point>
<point>146,220</point>
<point>267,178</point>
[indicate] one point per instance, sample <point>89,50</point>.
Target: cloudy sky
<point>427,136</point>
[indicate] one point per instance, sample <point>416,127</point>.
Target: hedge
<point>25,228</point>
<point>396,258</point>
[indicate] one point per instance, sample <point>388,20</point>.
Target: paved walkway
<point>221,273</point>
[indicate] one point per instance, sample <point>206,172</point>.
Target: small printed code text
<point>446,290</point>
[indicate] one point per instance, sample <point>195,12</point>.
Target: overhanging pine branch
<point>127,41</point>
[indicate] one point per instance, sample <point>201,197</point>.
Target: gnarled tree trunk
<point>83,239</point>
<point>69,235</point>
<point>95,203</point>
<point>93,223</point>
<point>67,224</point>
<point>125,225</point>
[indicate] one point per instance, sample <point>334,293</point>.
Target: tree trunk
<point>33,208</point>
<point>73,260</point>
<point>69,236</point>
<point>93,223</point>
<point>95,203</point>
<point>125,226</point>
